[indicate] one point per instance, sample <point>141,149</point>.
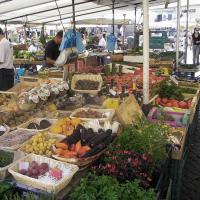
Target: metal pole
<point>178,32</point>
<point>74,17</point>
<point>74,28</point>
<point>145,52</point>
<point>186,38</point>
<point>6,31</point>
<point>124,30</point>
<point>135,20</point>
<point>113,16</point>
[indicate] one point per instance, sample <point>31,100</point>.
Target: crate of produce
<point>41,124</point>
<point>6,160</point>
<point>87,83</point>
<point>14,139</point>
<point>64,126</point>
<point>43,173</point>
<point>117,57</point>
<point>41,143</point>
<point>175,119</point>
<point>88,114</point>
<point>82,149</point>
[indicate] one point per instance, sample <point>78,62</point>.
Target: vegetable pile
<point>145,137</point>
<point>105,187</point>
<point>125,166</point>
<point>84,142</point>
<point>6,158</point>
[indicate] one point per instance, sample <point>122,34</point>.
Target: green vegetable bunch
<point>29,196</point>
<point>145,137</point>
<point>170,90</point>
<point>95,187</point>
<point>6,158</point>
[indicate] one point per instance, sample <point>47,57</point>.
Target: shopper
<point>196,46</point>
<point>6,63</point>
<point>102,41</point>
<point>52,50</point>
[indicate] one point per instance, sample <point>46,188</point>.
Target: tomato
<point>158,100</point>
<point>164,100</point>
<point>168,104</point>
<point>182,104</point>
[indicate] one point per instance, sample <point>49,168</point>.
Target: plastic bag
<point>72,39</point>
<point>64,56</point>
<point>111,41</point>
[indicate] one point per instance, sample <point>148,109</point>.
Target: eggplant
<point>71,140</point>
<point>99,139</point>
<point>77,134</point>
<point>89,140</point>
<point>99,147</point>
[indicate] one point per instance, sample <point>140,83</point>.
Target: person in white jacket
<point>6,63</point>
<point>102,41</point>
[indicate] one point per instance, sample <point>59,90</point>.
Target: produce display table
<point>27,62</point>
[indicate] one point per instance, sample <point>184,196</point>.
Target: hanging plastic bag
<point>111,41</point>
<point>72,39</point>
<point>66,56</point>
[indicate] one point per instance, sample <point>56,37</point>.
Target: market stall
<point>118,129</point>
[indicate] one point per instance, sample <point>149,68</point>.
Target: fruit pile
<point>39,126</point>
<point>39,171</point>
<point>40,144</point>
<point>184,104</point>
<point>65,126</point>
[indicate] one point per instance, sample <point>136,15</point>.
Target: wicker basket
<point>4,170</point>
<point>37,121</point>
<point>80,161</point>
<point>109,114</point>
<point>16,132</point>
<point>58,138</point>
<point>35,183</point>
<point>91,77</point>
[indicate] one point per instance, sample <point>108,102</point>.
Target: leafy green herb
<point>170,90</point>
<point>6,158</point>
<point>28,196</point>
<point>145,137</point>
<point>107,188</point>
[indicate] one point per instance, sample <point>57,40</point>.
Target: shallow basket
<point>37,121</point>
<point>4,170</point>
<point>35,183</point>
<point>16,146</point>
<point>91,77</point>
<point>58,138</point>
<point>80,161</point>
<point>110,114</point>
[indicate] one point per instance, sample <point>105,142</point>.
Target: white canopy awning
<point>46,11</point>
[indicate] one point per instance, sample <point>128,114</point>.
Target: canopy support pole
<point>186,38</point>
<point>74,16</point>
<point>146,52</point>
<point>124,31</point>
<point>113,17</point>
<point>74,29</point>
<point>178,32</point>
<point>6,31</point>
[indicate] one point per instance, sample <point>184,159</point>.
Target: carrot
<point>59,152</point>
<point>86,148</point>
<point>78,146</point>
<point>61,145</point>
<point>70,154</point>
